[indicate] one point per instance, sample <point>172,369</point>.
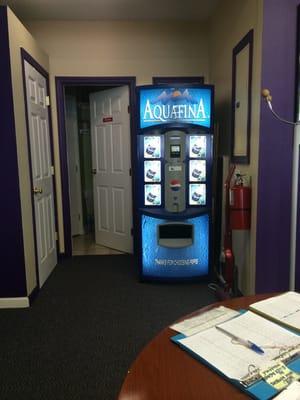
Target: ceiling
<point>177,10</point>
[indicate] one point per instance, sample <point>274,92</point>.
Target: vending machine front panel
<point>174,188</point>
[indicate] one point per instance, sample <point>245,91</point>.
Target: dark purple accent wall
<point>276,146</point>
<point>12,264</point>
<point>297,272</point>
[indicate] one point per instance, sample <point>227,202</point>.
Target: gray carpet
<point>85,328</point>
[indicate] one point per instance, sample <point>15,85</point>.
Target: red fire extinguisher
<point>237,216</point>
<point>240,205</point>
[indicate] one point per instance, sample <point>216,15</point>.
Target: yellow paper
<point>279,375</point>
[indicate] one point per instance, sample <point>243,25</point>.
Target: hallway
<point>85,328</point>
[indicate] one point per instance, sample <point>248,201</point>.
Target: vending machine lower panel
<point>175,249</point>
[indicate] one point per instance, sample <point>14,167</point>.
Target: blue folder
<point>259,390</point>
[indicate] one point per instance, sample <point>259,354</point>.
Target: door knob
<point>37,190</point>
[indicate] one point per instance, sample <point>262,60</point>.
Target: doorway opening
<point>79,151</point>
<point>96,154</point>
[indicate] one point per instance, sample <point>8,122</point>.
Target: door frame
<point>25,56</point>
<point>78,183</point>
<point>60,83</point>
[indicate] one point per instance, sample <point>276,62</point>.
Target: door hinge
<point>79,217</point>
<point>52,170</point>
<point>47,101</point>
<point>128,108</point>
<point>131,231</point>
<point>130,172</point>
<point>56,236</point>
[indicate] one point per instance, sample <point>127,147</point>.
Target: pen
<point>244,342</point>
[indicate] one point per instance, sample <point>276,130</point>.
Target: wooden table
<point>163,371</point>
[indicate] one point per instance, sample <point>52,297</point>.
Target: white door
<point>110,136</point>
<point>42,171</point>
<point>73,166</point>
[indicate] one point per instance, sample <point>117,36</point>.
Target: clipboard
<point>253,385</point>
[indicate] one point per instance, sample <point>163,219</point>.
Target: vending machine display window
<point>152,171</point>
<point>197,170</point>
<point>152,195</point>
<point>197,194</point>
<point>152,147</point>
<point>197,146</point>
<point>175,151</point>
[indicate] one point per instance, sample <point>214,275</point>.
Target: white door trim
<point>74,167</point>
<point>14,302</point>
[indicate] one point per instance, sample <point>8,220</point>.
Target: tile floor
<point>85,245</point>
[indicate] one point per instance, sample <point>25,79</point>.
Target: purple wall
<point>12,265</point>
<point>297,261</point>
<point>275,147</point>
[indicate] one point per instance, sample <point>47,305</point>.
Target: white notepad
<point>205,320</point>
<point>284,309</point>
<point>234,360</point>
<point>292,392</point>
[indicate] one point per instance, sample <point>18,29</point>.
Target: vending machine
<point>174,181</point>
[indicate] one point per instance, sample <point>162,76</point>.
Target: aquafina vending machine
<point>174,181</point>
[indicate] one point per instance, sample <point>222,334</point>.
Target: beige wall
<point>20,37</point>
<point>230,23</point>
<point>141,49</point>
<point>115,48</point>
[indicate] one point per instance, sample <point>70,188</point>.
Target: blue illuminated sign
<point>186,262</point>
<point>170,105</point>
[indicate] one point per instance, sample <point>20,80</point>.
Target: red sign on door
<point>107,119</point>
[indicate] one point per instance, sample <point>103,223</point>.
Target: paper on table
<point>278,375</point>
<point>284,308</point>
<point>233,360</point>
<point>205,320</point>
<point>292,392</point>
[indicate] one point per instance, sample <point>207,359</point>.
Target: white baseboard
<point>14,302</point>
